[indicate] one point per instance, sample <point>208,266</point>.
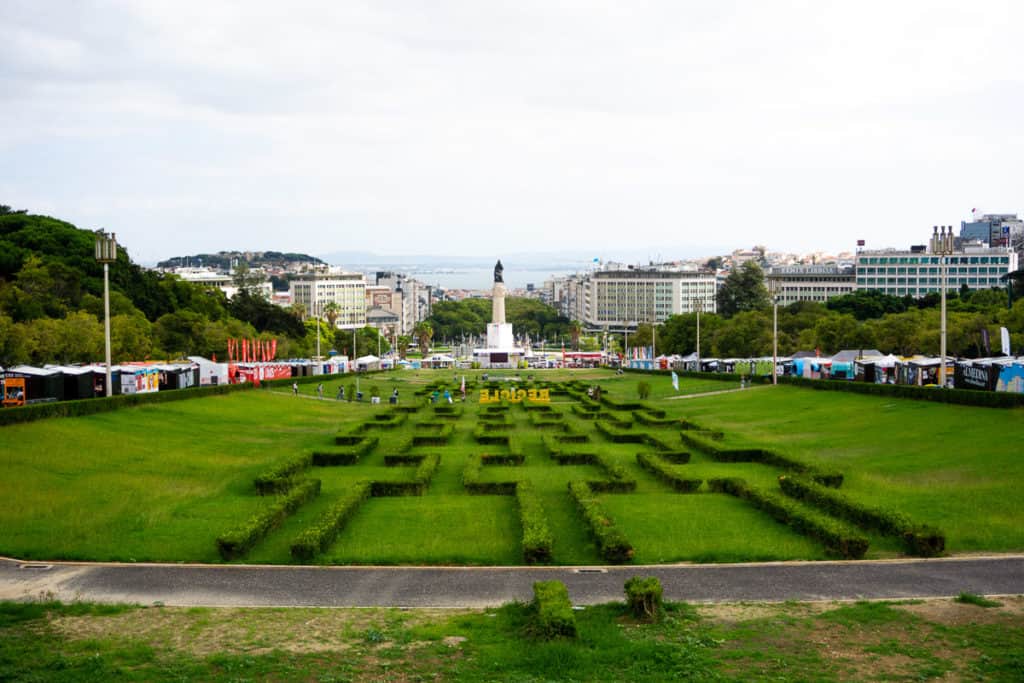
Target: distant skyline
<point>467,128</point>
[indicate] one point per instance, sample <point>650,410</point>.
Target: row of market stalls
<point>28,384</point>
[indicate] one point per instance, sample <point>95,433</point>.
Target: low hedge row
<point>407,408</point>
<point>663,471</point>
<point>494,418</point>
<point>537,538</point>
<point>616,435</point>
<point>759,455</point>
<point>280,477</point>
<point>585,413</point>
<point>348,456</point>
<point>967,397</point>
<point>618,479</point>
<point>837,537</point>
<point>620,405</point>
<point>402,460</point>
<point>91,406</point>
<point>919,539</point>
<point>653,421</point>
<point>502,459</point>
<point>690,425</point>
<point>553,615</point>
<point>657,444</point>
<point>471,480</point>
<point>537,407</point>
<point>420,480</point>
<point>614,546</point>
<point>318,537</point>
<point>675,457</point>
<point>441,437</point>
<point>240,540</point>
<point>486,426</point>
<point>389,421</point>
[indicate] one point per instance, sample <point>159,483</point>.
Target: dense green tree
<point>867,304</point>
<point>743,290</point>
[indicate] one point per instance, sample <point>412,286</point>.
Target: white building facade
<point>348,290</point>
<point>917,273</point>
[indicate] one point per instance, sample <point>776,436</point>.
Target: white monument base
<point>499,336</point>
<point>504,359</point>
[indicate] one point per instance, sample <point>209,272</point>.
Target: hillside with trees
<point>51,304</point>
<point>228,260</point>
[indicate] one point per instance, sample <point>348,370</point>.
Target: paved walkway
<point>716,393</point>
<point>237,585</point>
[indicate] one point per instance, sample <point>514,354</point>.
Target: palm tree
<point>332,311</point>
<point>574,331</point>
<point>424,334</point>
<point>298,310</point>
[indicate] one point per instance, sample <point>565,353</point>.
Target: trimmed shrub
<point>503,458</point>
<point>280,478</point>
<point>553,616</point>
<point>437,437</point>
<point>616,435</point>
<point>837,538</point>
<point>348,456</point>
<point>403,460</point>
<point>654,421</point>
<point>537,538</point>
<point>240,540</point>
<point>614,546</point>
<point>620,405</point>
<point>919,539</point>
<point>618,480</point>
<point>644,597</point>
<point>759,455</point>
<point>674,457</point>
<point>471,480</point>
<point>420,481</point>
<point>318,537</point>
<point>91,406</point>
<point>661,470</point>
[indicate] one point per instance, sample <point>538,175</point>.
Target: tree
<point>332,311</point>
<point>244,279</point>
<point>403,345</point>
<point>866,304</point>
<point>574,334</point>
<point>424,334</point>
<point>743,290</point>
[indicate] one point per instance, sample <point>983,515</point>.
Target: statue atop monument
<point>498,270</point>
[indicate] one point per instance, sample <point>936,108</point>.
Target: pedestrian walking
<point>320,390</point>
<point>341,393</point>
<point>295,388</point>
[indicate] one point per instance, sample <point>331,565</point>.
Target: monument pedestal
<point>501,351</point>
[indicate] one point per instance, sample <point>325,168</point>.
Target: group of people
<point>340,396</point>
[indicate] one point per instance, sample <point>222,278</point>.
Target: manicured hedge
<point>674,457</point>
<point>91,406</point>
<point>280,477</point>
<point>420,481</point>
<point>919,539</point>
<point>240,540</point>
<point>553,615</point>
<point>471,480</point>
<point>537,538</point>
<point>614,546</point>
<point>438,437</point>
<point>653,421</point>
<point>616,435</point>
<point>664,472</point>
<point>502,459</point>
<point>402,460</point>
<point>318,537</point>
<point>385,421</point>
<point>585,413</point>
<point>759,455</point>
<point>644,597</point>
<point>618,479</point>
<point>837,538</point>
<point>349,456</point>
<point>619,405</point>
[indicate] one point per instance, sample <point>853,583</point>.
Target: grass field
<point>912,640</point>
<point>162,482</point>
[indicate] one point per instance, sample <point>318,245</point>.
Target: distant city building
<point>811,283</point>
<point>995,230</point>
<point>314,290</point>
<point>212,279</point>
<point>917,272</point>
<point>410,299</point>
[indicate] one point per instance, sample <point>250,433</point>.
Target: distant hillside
<point>226,260</point>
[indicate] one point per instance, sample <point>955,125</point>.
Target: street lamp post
<point>942,246</point>
<point>773,292</point>
<point>698,305</point>
<point>106,253</point>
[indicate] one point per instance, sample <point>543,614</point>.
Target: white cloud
<point>191,126</point>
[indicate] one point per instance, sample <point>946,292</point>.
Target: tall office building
<point>918,272</point>
<point>316,289</point>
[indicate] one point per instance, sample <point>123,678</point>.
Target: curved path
<point>259,586</point>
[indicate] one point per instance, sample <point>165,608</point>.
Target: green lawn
<point>161,482</point>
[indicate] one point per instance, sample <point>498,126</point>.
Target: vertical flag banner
<point>273,348</point>
<point>985,342</point>
<point>1005,338</point>
<point>675,380</point>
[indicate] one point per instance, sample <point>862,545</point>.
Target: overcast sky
<point>474,127</point>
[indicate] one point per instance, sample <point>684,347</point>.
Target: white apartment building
<point>212,279</point>
<point>810,283</point>
<point>623,297</point>
<point>917,272</point>
<point>316,289</point>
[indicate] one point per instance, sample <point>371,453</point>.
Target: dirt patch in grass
<point>203,632</point>
<point>950,613</point>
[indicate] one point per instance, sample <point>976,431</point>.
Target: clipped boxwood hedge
<point>316,538</point>
<point>617,435</point>
<point>660,469</point>
<point>92,406</point>
<point>919,539</point>
<point>240,540</point>
<point>537,538</point>
<point>837,538</point>
<point>553,615</point>
<point>758,455</point>
<point>614,546</point>
<point>471,480</point>
<point>420,480</point>
<point>348,456</point>
<point>280,477</point>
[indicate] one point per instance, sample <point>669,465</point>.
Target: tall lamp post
<point>106,253</point>
<point>773,291</point>
<point>942,246</point>
<point>698,306</point>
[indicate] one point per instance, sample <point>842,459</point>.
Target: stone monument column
<point>498,303</point>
